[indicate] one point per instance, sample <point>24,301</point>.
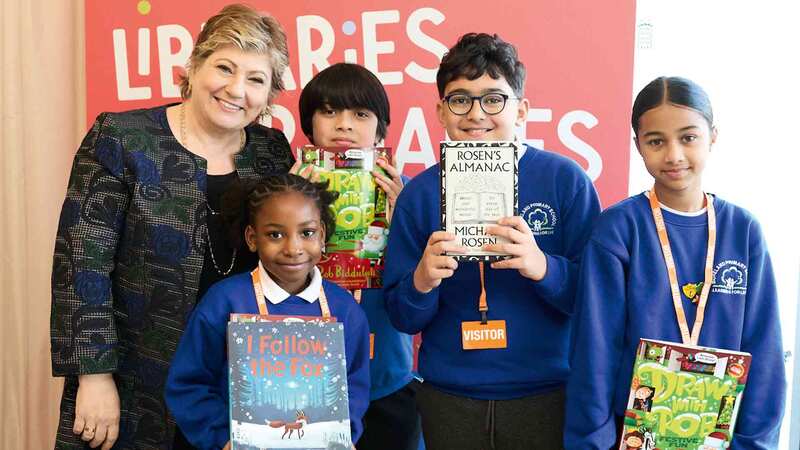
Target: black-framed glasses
<point>491,103</point>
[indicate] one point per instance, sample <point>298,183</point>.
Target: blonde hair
<point>248,30</point>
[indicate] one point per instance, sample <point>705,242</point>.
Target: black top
<point>219,240</point>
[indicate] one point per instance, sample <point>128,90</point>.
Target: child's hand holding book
<point>526,256</point>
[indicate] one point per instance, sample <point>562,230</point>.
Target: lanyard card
<point>482,336</point>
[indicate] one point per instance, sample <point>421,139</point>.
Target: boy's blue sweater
<point>537,314</point>
<point>391,367</point>
<point>197,385</point>
<point>624,295</point>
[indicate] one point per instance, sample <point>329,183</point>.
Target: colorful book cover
<point>479,186</point>
<point>287,383</point>
<point>242,317</point>
<point>354,254</point>
<point>683,397</point>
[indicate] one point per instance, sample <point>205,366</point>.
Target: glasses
<point>492,103</point>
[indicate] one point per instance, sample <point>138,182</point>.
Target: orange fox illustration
<point>289,427</point>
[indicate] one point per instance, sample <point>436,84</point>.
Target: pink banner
<point>579,57</point>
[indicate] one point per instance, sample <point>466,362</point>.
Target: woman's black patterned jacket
<point>128,257</point>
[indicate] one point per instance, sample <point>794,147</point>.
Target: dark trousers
<point>392,422</point>
<point>528,423</point>
<point>180,442</point>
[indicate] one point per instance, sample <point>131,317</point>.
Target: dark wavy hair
<point>344,86</point>
<point>242,201</point>
<point>675,90</point>
<point>478,53</point>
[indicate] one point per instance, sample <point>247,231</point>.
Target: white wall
<point>745,54</point>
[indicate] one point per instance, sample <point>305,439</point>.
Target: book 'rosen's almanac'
<point>479,186</point>
<point>287,383</point>
<point>354,254</point>
<point>683,397</point>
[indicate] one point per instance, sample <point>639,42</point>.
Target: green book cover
<point>683,397</point>
<point>354,254</point>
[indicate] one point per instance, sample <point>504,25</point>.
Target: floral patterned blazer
<point>128,256</point>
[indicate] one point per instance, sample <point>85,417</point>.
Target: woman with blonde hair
<point>139,239</point>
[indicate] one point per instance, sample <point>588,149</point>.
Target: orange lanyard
<point>689,339</point>
<point>262,303</point>
<point>483,306</point>
<point>486,334</point>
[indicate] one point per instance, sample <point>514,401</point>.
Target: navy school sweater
<point>197,385</point>
<point>537,314</point>
<point>391,367</point>
<point>624,295</point>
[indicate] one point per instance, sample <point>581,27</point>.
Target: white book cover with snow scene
<point>288,385</point>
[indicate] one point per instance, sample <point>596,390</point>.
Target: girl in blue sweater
<point>288,219</point>
<point>625,293</point>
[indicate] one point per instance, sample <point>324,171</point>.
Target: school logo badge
<point>730,277</point>
<point>541,218</point>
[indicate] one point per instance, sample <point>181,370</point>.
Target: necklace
<point>242,134</point>
<point>242,137</point>
<point>211,245</point>
<point>224,273</point>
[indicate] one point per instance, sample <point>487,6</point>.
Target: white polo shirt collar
<point>275,294</point>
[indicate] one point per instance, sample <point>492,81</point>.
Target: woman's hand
<point>97,410</point>
<point>392,185</point>
<point>526,256</point>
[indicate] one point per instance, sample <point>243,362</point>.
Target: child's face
<point>675,143</point>
<point>344,127</point>
<point>288,235</point>
<point>643,392</point>
<point>476,125</point>
<point>633,441</point>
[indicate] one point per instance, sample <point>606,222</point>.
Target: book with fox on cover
<point>287,383</point>
<point>683,397</point>
<point>479,186</point>
<point>354,253</point>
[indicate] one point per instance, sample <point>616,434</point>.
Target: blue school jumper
<point>624,295</point>
<point>197,385</point>
<point>391,367</point>
<point>559,202</point>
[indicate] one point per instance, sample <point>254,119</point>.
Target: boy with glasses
<point>500,398</point>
